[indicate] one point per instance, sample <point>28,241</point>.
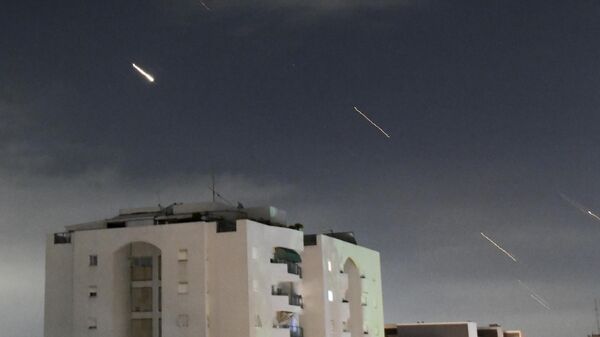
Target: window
<point>141,327</point>
<point>141,299</point>
<point>330,295</point>
<point>182,288</point>
<point>92,323</point>
<point>93,260</point>
<point>93,291</point>
<point>183,321</point>
<point>182,255</point>
<point>141,268</point>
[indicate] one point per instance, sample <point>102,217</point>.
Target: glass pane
<point>141,268</point>
<point>141,299</point>
<point>141,327</point>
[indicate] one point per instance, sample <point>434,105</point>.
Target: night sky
<point>492,108</point>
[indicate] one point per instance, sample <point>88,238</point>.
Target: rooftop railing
<point>62,238</point>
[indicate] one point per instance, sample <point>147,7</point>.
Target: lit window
<point>329,265</point>
<point>182,288</point>
<point>93,291</point>
<point>330,295</point>
<point>182,255</point>
<point>93,260</point>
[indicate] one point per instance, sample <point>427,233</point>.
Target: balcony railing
<point>62,238</point>
<point>294,299</point>
<point>292,267</point>
<point>295,331</point>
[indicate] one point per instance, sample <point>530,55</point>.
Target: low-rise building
<point>447,329</point>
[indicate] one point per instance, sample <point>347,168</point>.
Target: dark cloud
<point>491,108</point>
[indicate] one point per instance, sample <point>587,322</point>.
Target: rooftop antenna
<point>213,186</point>
<point>216,194</point>
<point>597,316</point>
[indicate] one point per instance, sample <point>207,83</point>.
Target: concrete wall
<point>227,283</point>
<point>58,301</point>
<point>109,309</point>
<point>328,317</point>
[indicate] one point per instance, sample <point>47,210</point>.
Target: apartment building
<point>208,269</point>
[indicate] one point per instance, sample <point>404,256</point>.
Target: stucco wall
<point>333,313</point>
<point>58,301</point>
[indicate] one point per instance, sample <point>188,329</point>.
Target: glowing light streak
<point>579,206</point>
<point>539,301</point>
<point>536,295</point>
<point>205,6</point>
<point>593,215</point>
<point>372,123</point>
<point>499,248</point>
<point>145,74</point>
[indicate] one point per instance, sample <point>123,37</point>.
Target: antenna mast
<point>597,315</point>
<point>213,186</point>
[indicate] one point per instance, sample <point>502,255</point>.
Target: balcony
<point>293,299</point>
<point>283,330</point>
<point>283,300</point>
<point>292,267</point>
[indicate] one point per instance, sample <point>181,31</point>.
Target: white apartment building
<point>209,270</point>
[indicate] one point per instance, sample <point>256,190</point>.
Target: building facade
<point>208,270</point>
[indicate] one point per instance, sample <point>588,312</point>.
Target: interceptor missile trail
<point>593,215</point>
<point>573,202</point>
<point>500,248</point>
<point>539,301</point>
<point>579,206</point>
<point>372,123</point>
<point>205,6</point>
<point>145,74</point>
<point>534,294</point>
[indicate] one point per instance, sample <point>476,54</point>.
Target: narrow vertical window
<point>182,288</point>
<point>93,291</point>
<point>92,323</point>
<point>93,260</point>
<point>182,255</point>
